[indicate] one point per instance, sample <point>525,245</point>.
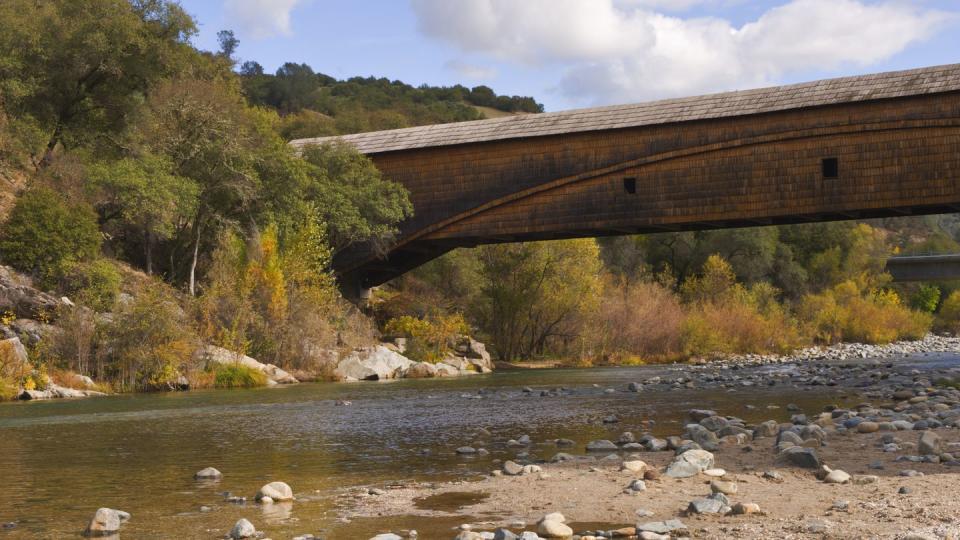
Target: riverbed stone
<point>930,443</point>
<point>766,429</point>
<point>741,508</point>
<point>512,468</point>
<point>721,486</point>
<point>800,457</point>
<point>601,446</point>
<point>553,526</point>
<point>208,473</point>
<point>421,370</point>
<point>106,521</point>
<point>661,527</point>
<point>837,476</point>
<point>504,534</point>
<point>705,506</point>
<point>243,529</point>
<point>690,463</point>
<point>634,466</point>
<point>278,491</point>
<point>868,427</point>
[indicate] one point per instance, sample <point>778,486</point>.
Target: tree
<point>80,68</point>
<point>145,196</point>
<point>357,203</point>
<point>535,292</point>
<point>228,44</point>
<point>45,233</point>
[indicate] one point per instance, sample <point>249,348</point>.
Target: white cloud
<point>624,50</point>
<point>471,71</point>
<point>261,18</point>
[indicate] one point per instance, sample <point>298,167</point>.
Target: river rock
<point>387,536</point>
<point>278,491</point>
<point>690,463</point>
<point>868,427</point>
<point>420,370</point>
<point>635,466</point>
<point>602,445</point>
<point>512,468</point>
<point>699,414</point>
<point>553,525</point>
<point>702,436</point>
<point>219,355</point>
<point>54,391</point>
<point>504,534</point>
<point>208,473</point>
<point>837,476</point>
<point>800,457</point>
<point>243,529</point>
<point>661,527</point>
<point>929,444</point>
<point>770,428</point>
<point>745,508</point>
<point>106,522</point>
<point>705,506</point>
<point>720,486</point>
<point>372,364</point>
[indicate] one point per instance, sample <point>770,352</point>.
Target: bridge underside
<point>819,161</point>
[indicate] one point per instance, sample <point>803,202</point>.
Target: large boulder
<point>475,352</point>
<point>53,391</point>
<point>421,370</point>
<point>13,355</point>
<point>376,363</point>
<point>18,296</point>
<point>106,522</point>
<point>219,355</point>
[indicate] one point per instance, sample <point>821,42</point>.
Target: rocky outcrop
<point>18,296</point>
<point>53,391</point>
<point>385,362</point>
<point>219,355</point>
<point>377,363</point>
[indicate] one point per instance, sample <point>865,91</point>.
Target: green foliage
<point>926,298</point>
<point>149,340</point>
<point>431,338</point>
<point>536,293</point>
<point>356,202</point>
<point>847,312</point>
<point>44,234</point>
<point>365,104</point>
<point>94,284</point>
<point>238,375</point>
<point>948,318</point>
<point>79,69</point>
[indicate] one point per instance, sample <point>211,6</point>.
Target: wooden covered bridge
<point>856,147</point>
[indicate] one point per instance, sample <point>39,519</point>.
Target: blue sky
<point>574,53</point>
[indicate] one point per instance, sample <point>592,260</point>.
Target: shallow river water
<point>60,461</point>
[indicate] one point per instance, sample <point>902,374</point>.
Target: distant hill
<point>314,104</point>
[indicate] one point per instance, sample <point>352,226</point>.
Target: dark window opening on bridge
<point>630,185</point>
<point>831,167</point>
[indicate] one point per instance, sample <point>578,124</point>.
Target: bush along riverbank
<point>52,348</point>
<point>882,468</point>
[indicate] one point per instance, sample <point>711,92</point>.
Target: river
<point>61,460</point>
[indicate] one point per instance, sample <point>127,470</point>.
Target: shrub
<point>93,284</point>
<point>846,313</point>
<point>948,319</point>
<point>44,233</point>
<point>926,298</point>
<point>636,321</point>
<point>431,338</point>
<point>238,376</point>
<point>149,340</point>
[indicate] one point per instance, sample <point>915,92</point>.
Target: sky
<point>580,53</point>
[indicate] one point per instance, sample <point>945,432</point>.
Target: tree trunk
<point>51,146</point>
<point>193,263</point>
<point>148,250</point>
